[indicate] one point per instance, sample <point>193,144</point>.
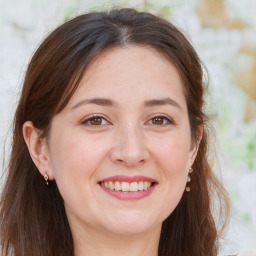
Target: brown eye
<point>161,121</point>
<point>158,120</point>
<point>96,121</point>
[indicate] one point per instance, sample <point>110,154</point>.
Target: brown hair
<point>33,220</point>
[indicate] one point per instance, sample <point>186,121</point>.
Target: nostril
<point>129,155</point>
<point>119,161</point>
<point>131,162</point>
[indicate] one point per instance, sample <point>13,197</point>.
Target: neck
<point>95,243</point>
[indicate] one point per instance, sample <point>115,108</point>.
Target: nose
<point>129,148</point>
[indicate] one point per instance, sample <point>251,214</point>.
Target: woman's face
<point>121,149</point>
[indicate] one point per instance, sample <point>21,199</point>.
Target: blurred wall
<point>223,33</point>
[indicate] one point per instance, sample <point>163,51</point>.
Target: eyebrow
<point>96,101</point>
<point>109,103</point>
<point>161,102</point>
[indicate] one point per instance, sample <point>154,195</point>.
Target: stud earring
<point>189,179</point>
<point>46,178</point>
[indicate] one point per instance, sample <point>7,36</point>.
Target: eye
<point>160,121</point>
<point>95,121</point>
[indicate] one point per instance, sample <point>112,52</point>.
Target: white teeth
<point>126,186</point>
<point>111,185</point>
<point>141,187</point>
<point>134,186</point>
<point>106,184</point>
<point>147,185</point>
<point>118,186</point>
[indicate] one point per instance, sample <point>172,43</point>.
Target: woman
<point>110,145</point>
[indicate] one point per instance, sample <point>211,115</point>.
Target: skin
<point>126,138</point>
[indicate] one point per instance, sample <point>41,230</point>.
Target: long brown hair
<point>33,220</point>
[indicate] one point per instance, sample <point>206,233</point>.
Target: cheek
<point>173,155</point>
<point>175,166</point>
<point>74,156</point>
<point>75,161</point>
<point>173,161</point>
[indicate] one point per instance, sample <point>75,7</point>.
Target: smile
<point>126,186</point>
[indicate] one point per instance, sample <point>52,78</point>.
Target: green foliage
<point>107,4</point>
<point>246,217</point>
<point>69,13</point>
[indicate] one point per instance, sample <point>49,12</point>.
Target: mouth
<point>127,188</point>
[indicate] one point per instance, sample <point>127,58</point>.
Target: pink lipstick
<point>127,187</point>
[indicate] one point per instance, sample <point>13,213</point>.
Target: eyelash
<point>88,121</point>
<point>94,117</point>
<point>164,118</point>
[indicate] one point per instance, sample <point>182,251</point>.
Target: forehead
<point>130,72</point>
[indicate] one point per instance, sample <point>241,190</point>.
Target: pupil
<point>158,120</point>
<point>96,121</point>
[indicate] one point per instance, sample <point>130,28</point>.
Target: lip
<point>129,179</point>
<point>129,195</point>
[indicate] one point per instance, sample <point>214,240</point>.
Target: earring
<point>46,178</point>
<point>189,179</point>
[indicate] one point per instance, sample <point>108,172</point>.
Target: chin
<point>132,225</point>
<point>128,230</point>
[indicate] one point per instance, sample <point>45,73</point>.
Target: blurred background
<point>223,33</point>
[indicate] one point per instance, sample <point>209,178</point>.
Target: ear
<point>195,144</point>
<point>38,149</point>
